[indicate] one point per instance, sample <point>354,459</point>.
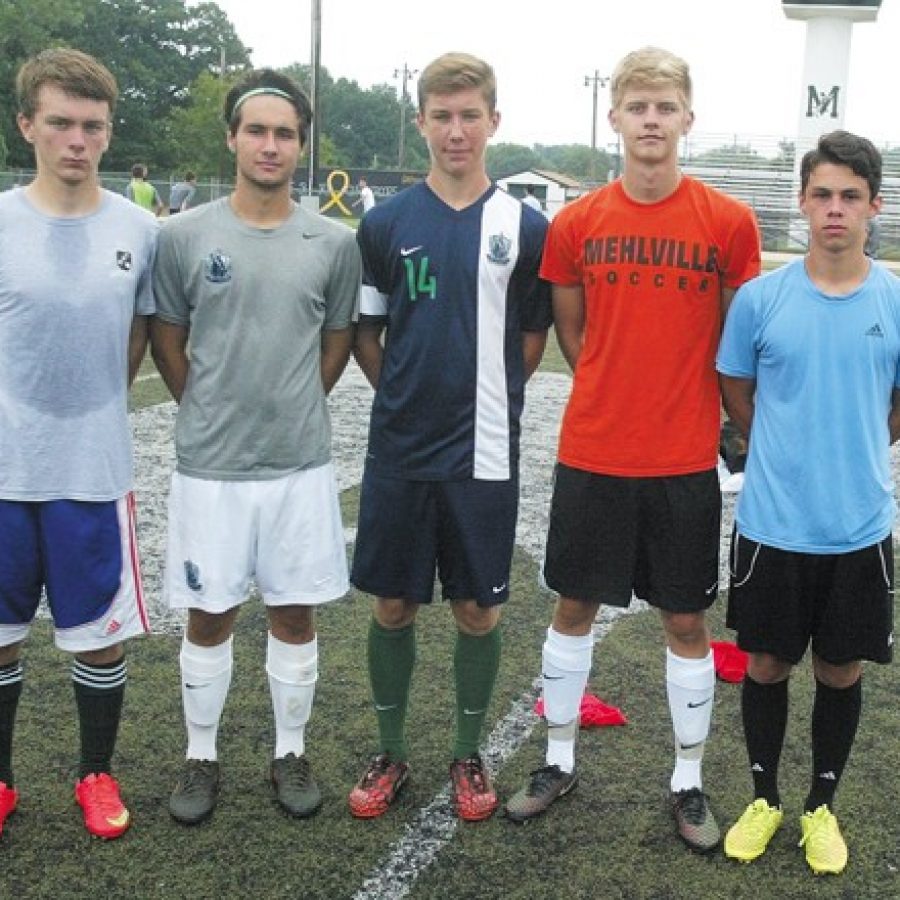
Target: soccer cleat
<point>9,797</point>
<point>544,786</point>
<point>195,794</point>
<point>105,815</point>
<point>295,788</point>
<point>378,787</point>
<point>696,823</point>
<point>826,851</point>
<point>750,835</point>
<point>473,797</point>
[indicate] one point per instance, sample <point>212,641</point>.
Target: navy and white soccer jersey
<point>455,289</point>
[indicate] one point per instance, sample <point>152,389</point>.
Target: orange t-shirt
<point>645,398</point>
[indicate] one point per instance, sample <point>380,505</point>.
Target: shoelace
<point>380,767</point>
<point>541,779</point>
<point>819,833</point>
<point>756,819</point>
<point>299,774</point>
<point>104,795</point>
<point>693,806</point>
<point>474,772</point>
<point>196,778</point>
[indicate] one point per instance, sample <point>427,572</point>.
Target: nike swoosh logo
<point>711,590</point>
<point>407,251</point>
<point>119,820</point>
<point>194,687</point>
<point>310,234</point>
<point>472,712</point>
<point>553,677</point>
<point>692,705</point>
<point>500,589</point>
<point>380,708</point>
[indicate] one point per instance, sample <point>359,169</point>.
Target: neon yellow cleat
<point>826,851</point>
<point>748,838</point>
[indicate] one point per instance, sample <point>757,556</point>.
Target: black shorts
<point>658,538</point>
<point>780,601</point>
<point>408,530</point>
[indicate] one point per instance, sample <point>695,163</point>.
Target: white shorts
<point>285,534</point>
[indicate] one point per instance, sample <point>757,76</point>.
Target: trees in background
<point>156,50</point>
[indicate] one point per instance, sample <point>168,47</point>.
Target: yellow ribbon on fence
<point>337,192</point>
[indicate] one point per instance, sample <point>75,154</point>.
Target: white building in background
<point>553,189</point>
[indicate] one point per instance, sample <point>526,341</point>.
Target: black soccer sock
<point>835,718</point>
<point>10,691</point>
<point>764,709</point>
<point>99,691</point>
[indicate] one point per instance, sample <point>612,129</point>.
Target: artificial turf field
<point>612,837</point>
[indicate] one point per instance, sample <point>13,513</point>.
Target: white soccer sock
<point>293,670</point>
<point>566,663</point>
<point>691,685</point>
<point>205,680</point>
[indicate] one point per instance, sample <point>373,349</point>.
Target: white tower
<point>826,61</point>
<point>826,66</point>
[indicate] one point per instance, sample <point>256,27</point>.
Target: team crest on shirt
<point>192,575</point>
<point>499,246</point>
<point>217,267</point>
<point>123,260</point>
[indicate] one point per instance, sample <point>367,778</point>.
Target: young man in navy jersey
<point>451,281</point>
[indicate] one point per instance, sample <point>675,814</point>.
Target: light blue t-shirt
<point>818,476</point>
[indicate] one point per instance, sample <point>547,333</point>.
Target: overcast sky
<point>745,55</point>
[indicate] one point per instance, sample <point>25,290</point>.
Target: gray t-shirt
<point>256,302</point>
<point>181,191</point>
<point>68,291</point>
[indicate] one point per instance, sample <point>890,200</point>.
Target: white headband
<point>261,90</point>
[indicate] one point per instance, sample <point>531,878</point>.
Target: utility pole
<point>597,81</point>
<point>316,62</point>
<point>404,74</point>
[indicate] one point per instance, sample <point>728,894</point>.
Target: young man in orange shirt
<point>642,272</point>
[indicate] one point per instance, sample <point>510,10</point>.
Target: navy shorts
<point>85,555</point>
<point>656,538</point>
<point>409,530</point>
<point>842,603</point>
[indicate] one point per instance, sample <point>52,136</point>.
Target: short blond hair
<point>73,72</point>
<point>651,67</point>
<point>454,72</point>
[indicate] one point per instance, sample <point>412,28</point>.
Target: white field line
<point>350,402</point>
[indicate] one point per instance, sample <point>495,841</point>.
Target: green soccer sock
<point>475,665</point>
<point>392,655</point>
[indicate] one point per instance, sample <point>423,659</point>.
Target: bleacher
<point>760,172</point>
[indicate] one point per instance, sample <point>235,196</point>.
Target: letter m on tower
<point>818,105</point>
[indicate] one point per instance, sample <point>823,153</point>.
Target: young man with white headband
<point>267,293</point>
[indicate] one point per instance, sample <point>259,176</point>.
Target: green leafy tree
<point>156,50</point>
<point>198,130</point>
<point>506,159</point>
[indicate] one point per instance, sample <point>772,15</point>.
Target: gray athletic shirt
<point>256,302</point>
<point>68,291</point>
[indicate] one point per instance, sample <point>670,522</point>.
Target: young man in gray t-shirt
<point>75,294</point>
<point>267,293</point>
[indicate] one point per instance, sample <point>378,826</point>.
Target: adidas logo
<point>875,331</point>
<point>756,767</point>
<point>828,776</point>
